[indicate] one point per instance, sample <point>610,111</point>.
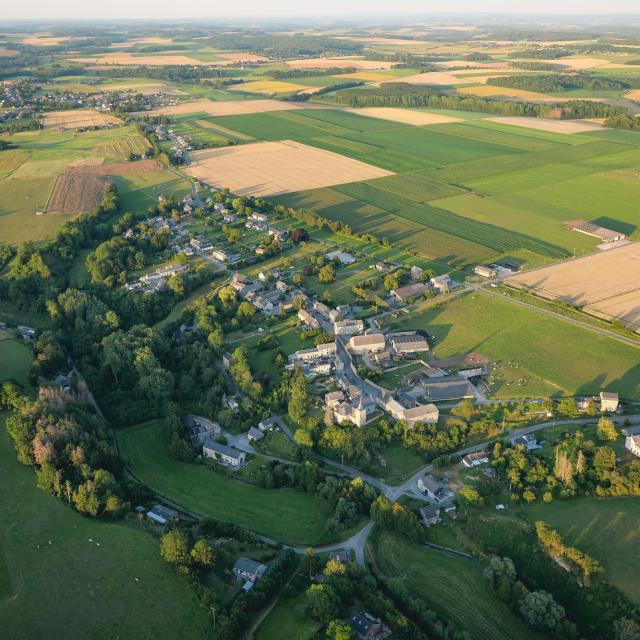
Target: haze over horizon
<point>148,9</point>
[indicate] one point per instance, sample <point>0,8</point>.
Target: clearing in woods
<point>453,587</point>
<point>269,168</point>
<point>78,119</point>
<point>604,284</point>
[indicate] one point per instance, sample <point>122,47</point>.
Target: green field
<point>605,528</point>
<point>57,583</point>
<point>285,514</point>
<point>15,358</point>
<point>527,344</point>
<point>453,587</point>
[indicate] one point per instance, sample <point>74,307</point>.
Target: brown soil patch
<point>545,124</point>
<point>76,191</point>
<point>604,284</point>
<point>339,63</point>
<point>268,168</point>
<point>151,60</point>
<point>121,168</point>
<point>405,116</point>
<point>77,119</point>
<point>46,41</point>
<point>226,107</point>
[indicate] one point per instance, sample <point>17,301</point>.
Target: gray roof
<point>247,565</point>
<point>430,512</point>
<point>222,449</point>
<point>161,513</point>
<point>447,388</point>
<point>430,483</point>
<point>361,622</point>
<point>255,433</point>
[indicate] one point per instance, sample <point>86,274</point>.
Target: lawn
<point>529,346</point>
<point>289,618</point>
<point>453,587</point>
<point>57,583</point>
<point>605,528</point>
<point>285,514</point>
<point>15,359</point>
<point>401,463</point>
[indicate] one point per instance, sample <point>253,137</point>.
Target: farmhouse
<point>306,318</point>
<point>416,272</point>
<point>223,454</point>
<point>248,569</point>
<point>348,327</point>
<point>434,489</point>
<point>408,342</point>
<point>430,515</point>
<point>632,443</point>
<point>475,459</point>
<point>254,434</point>
<point>609,401</point>
<point>441,283</point>
<point>410,291</point>
<point>529,442</point>
<point>321,308</point>
<point>370,343</point>
<point>367,627</point>
<point>200,429</point>
<point>427,413</point>
<point>162,514</point>
<point>485,272</point>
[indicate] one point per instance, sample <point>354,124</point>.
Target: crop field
<point>529,346</point>
<point>339,63</point>
<point>270,168</point>
<point>225,107</point>
<point>77,119</point>
<point>124,146</point>
<point>453,587</point>
<point>603,284</point>
<point>405,116</point>
<point>269,87</point>
<point>486,90</point>
<point>76,192</point>
<point>132,59</point>
<point>48,548</point>
<point>288,515</point>
<point>605,528</point>
<point>545,124</point>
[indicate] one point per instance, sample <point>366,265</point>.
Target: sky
<point>159,9</point>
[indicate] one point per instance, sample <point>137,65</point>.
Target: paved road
<point>578,323</point>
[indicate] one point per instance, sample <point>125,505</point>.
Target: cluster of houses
<point>180,146</point>
<point>321,360</point>
<point>269,295</point>
<point>157,280</point>
<point>416,290</point>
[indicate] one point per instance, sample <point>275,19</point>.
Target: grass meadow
<point>530,346</point>
<point>15,358</point>
<point>288,515</point>
<point>453,587</point>
<point>108,578</point>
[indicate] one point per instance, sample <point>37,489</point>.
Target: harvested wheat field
<point>548,124</point>
<point>152,60</point>
<point>435,78</point>
<point>46,41</point>
<point>121,168</point>
<point>77,119</point>
<point>485,90</point>
<point>339,63</point>
<point>76,191</point>
<point>269,87</point>
<point>227,107</point>
<point>238,57</point>
<point>605,284</point>
<point>405,116</point>
<point>269,168</point>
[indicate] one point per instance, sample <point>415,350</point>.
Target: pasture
<point>453,587</point>
<point>285,514</point>
<point>15,359</point>
<point>110,573</point>
<point>269,168</point>
<point>528,346</point>
<point>603,284</point>
<point>605,528</point>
